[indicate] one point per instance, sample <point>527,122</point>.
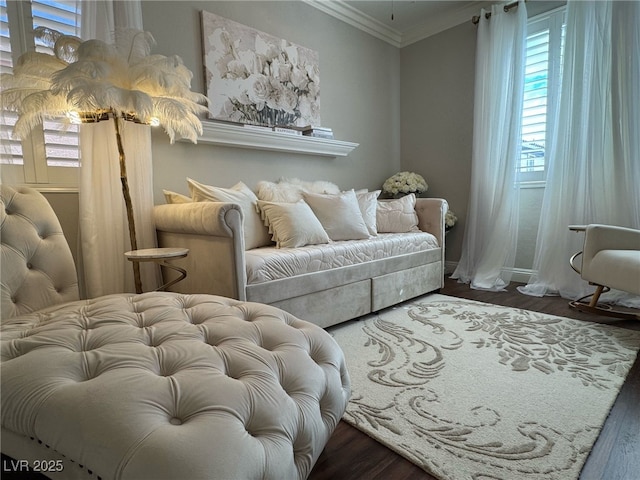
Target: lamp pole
<point>127,201</point>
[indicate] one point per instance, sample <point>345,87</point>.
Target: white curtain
<point>104,233</point>
<point>594,161</point>
<point>489,244</point>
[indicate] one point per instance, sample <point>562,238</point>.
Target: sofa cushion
<point>339,215</point>
<point>292,224</point>
<point>174,197</point>
<point>268,263</point>
<point>291,190</point>
<point>398,215</point>
<point>368,203</point>
<point>255,233</point>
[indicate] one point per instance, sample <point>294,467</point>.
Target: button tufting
<point>175,421</point>
<point>29,266</point>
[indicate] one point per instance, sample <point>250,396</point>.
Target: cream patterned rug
<point>469,390</point>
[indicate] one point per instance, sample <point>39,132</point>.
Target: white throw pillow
<point>292,224</point>
<point>317,186</point>
<point>339,215</point>
<point>291,190</point>
<point>397,216</point>
<point>255,233</point>
<point>368,203</point>
<point>173,197</point>
<point>275,192</point>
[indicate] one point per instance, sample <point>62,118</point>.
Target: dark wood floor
<point>352,455</point>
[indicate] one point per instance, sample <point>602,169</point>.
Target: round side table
<point>161,257</point>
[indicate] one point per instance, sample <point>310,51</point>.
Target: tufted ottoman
<point>169,386</point>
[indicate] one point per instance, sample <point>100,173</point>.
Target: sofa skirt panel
<point>396,287</point>
<point>331,306</point>
<point>333,296</point>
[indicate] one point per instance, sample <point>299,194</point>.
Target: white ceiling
<point>412,20</point>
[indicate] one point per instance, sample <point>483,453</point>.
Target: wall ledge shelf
<point>231,135</point>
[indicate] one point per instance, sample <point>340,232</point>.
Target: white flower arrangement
<point>405,182</point>
<point>450,220</point>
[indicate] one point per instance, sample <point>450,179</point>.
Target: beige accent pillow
<point>291,190</point>
<point>255,233</point>
<point>173,197</point>
<point>292,224</point>
<point>368,203</point>
<point>339,215</point>
<point>397,216</point>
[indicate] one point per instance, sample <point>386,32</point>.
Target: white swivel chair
<point>610,259</point>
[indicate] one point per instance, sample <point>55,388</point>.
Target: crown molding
<point>354,17</point>
<point>449,19</point>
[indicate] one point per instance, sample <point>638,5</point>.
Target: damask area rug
<point>469,390</point>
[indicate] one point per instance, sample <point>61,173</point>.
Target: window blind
<point>543,74</point>
<point>59,139</point>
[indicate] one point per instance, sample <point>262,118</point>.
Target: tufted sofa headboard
<point>36,266</point>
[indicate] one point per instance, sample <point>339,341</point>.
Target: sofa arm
<point>212,231</point>
<point>431,213</point>
<point>611,257</point>
<point>201,218</point>
<point>607,237</point>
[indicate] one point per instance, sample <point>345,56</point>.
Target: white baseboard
<point>520,275</point>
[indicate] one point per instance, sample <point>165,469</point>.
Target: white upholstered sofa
<point>152,386</point>
<point>326,282</point>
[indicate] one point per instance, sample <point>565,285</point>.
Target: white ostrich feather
<point>47,35</point>
<point>35,108</point>
<point>98,50</point>
<point>13,98</point>
<point>94,76</point>
<point>81,72</point>
<point>27,82</point>
<point>199,102</point>
<point>66,48</point>
<point>38,61</point>
<point>162,75</point>
<point>133,44</point>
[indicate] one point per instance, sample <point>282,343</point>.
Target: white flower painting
<point>255,78</point>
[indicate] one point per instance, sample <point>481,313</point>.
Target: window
<point>50,155</point>
<point>543,72</point>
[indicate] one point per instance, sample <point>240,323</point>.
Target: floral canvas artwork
<point>255,78</point>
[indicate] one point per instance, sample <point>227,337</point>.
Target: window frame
<point>34,170</point>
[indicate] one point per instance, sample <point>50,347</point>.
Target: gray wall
<point>360,97</point>
<point>437,76</point>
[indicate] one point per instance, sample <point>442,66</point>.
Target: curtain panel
<point>594,156</point>
<point>489,243</point>
<point>104,233</point>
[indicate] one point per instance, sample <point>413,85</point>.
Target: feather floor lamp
<point>92,81</point>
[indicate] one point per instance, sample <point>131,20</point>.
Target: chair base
<point>602,309</point>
